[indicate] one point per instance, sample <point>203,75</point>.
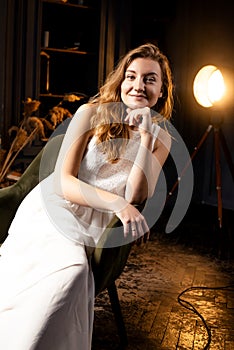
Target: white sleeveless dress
<point>46,282</point>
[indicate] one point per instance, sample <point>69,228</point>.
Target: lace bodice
<point>97,171</point>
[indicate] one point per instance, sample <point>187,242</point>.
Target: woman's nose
<point>139,84</point>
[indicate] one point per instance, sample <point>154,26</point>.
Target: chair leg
<point>114,299</point>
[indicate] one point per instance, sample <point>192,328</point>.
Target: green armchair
<point>107,263</point>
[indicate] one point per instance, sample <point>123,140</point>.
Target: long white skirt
<point>46,289</point>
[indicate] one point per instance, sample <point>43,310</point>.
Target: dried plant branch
<point>31,126</point>
<point>12,156</point>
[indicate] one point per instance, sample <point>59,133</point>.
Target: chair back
<point>12,196</point>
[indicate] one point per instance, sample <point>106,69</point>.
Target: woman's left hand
<point>141,118</point>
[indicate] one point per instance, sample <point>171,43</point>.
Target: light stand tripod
<point>219,140</point>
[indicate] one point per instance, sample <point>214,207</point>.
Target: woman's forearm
<point>81,193</point>
<point>141,180</point>
<point>145,172</point>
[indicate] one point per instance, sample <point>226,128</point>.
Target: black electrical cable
<point>186,304</point>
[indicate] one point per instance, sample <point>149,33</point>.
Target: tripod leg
<point>227,153</point>
<point>196,149</point>
<point>218,174</point>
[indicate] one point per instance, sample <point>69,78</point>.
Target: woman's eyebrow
<point>152,73</point>
<point>130,70</point>
<point>149,73</point>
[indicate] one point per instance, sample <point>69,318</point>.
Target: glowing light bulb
<point>208,86</point>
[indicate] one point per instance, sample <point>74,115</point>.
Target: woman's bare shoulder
<point>164,138</point>
<point>88,108</point>
<point>83,116</point>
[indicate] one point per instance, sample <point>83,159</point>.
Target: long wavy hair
<point>108,120</point>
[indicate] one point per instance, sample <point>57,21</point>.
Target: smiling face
<point>142,84</point>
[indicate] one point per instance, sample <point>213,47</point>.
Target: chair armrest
<point>108,259</point>
<point>108,262</point>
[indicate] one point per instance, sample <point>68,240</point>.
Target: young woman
<point>110,159</point>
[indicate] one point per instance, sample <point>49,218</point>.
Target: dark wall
<point>202,33</point>
<point>18,59</point>
<point>193,34</point>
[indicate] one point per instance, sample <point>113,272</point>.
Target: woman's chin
<point>135,105</point>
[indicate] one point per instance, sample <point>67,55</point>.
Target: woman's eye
<point>149,79</point>
<point>130,77</point>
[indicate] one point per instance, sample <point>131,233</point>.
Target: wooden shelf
<point>70,43</point>
<point>59,2</point>
<point>73,51</point>
<point>50,95</point>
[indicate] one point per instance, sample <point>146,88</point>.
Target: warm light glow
<point>208,86</point>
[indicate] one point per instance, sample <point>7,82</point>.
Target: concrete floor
<point>148,289</point>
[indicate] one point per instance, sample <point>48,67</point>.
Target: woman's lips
<point>138,96</point>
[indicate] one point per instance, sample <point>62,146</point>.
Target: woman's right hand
<point>133,221</point>
<point>140,118</point>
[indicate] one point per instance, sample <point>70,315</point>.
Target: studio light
<point>209,89</point>
<point>209,86</point>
